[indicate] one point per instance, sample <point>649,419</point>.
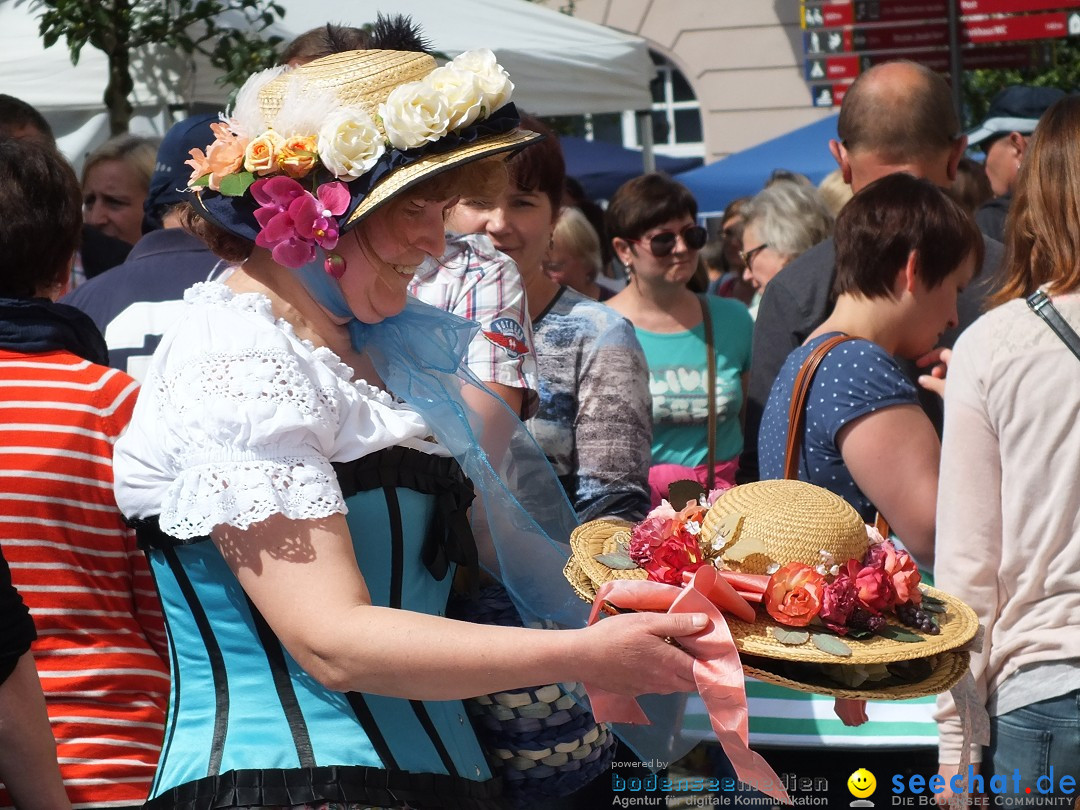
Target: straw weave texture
<point>358,78</point>
<point>958,626</point>
<point>602,537</point>
<point>791,520</point>
<point>418,171</point>
<point>949,668</point>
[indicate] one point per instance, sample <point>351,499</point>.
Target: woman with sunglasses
<point>782,221</point>
<point>652,223</point>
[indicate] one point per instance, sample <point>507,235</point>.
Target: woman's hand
<point>852,712</point>
<point>627,654</point>
<point>947,772</point>
<point>934,379</point>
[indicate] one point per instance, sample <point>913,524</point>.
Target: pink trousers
<point>662,476</point>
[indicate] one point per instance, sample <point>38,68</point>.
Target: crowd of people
<point>242,431</point>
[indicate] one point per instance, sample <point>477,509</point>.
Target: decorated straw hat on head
<point>307,153</point>
<point>834,610</point>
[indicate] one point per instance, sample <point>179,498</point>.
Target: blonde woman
<point>574,257</point>
<point>115,180</point>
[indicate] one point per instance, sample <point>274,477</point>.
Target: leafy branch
<point>227,32</point>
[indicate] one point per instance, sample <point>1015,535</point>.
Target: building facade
<point>737,64</point>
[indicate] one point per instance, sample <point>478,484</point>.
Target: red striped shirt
<point>101,649</point>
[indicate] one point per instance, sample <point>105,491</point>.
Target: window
<point>676,118</point>
<point>676,114</point>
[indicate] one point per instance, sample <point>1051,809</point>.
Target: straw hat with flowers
<point>835,609</point>
<point>307,153</point>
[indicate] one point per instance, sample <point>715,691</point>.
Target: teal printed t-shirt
<point>677,382</point>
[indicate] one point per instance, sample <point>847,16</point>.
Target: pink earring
<point>334,265</point>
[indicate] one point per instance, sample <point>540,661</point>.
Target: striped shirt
<point>101,642</point>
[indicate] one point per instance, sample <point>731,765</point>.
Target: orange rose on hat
<point>794,594</point>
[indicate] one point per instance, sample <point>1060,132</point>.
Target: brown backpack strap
<point>797,413</point>
<point>710,365</point>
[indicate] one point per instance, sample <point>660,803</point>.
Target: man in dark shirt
<point>133,304</point>
<point>1003,136</point>
<point>897,117</point>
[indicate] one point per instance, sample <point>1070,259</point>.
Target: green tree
<point>1054,64</point>
<point>228,32</point>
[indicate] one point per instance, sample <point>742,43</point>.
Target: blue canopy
<point>743,174</point>
<point>602,167</point>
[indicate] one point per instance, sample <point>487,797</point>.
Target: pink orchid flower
<point>293,222</point>
<point>315,219</point>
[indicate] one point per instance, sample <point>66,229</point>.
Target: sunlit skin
<point>765,262</point>
<point>934,311</point>
<point>382,253</point>
<point>909,323</point>
<point>113,198</point>
<point>1003,158</point>
<point>564,266</point>
<point>732,230</point>
<point>518,222</point>
<point>862,783</point>
<point>677,267</point>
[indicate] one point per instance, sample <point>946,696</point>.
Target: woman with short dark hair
<point>652,223</point>
<point>593,420</point>
<point>904,250</point>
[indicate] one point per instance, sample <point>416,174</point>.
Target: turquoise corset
<point>247,726</point>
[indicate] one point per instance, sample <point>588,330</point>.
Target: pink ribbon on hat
<point>717,669</point>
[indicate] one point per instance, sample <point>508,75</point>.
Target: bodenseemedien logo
<point>862,784</point>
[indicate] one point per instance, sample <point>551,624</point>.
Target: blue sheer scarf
<point>524,541</point>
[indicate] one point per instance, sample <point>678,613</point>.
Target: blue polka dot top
<point>855,378</point>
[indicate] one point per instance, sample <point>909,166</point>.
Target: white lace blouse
<point>240,419</point>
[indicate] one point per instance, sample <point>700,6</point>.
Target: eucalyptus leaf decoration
<point>786,635</point>
<point>830,644</point>
<point>616,560</point>
<point>930,600</point>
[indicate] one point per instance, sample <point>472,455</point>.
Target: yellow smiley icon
<point>861,783</point>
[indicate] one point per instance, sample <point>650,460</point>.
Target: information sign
<point>840,13</point>
<point>865,39</point>
<point>828,95</point>
<point>849,66</point>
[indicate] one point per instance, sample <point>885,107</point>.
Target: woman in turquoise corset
<point>300,462</point>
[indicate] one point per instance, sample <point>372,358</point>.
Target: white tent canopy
<point>560,65</point>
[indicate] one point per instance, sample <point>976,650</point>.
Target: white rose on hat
<point>349,143</point>
<point>414,114</point>
<point>463,92</point>
<point>494,80</point>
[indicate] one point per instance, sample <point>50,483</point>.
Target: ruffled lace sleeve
<point>253,432</point>
<point>238,420</point>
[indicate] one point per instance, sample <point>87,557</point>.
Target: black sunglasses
<point>660,245</point>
